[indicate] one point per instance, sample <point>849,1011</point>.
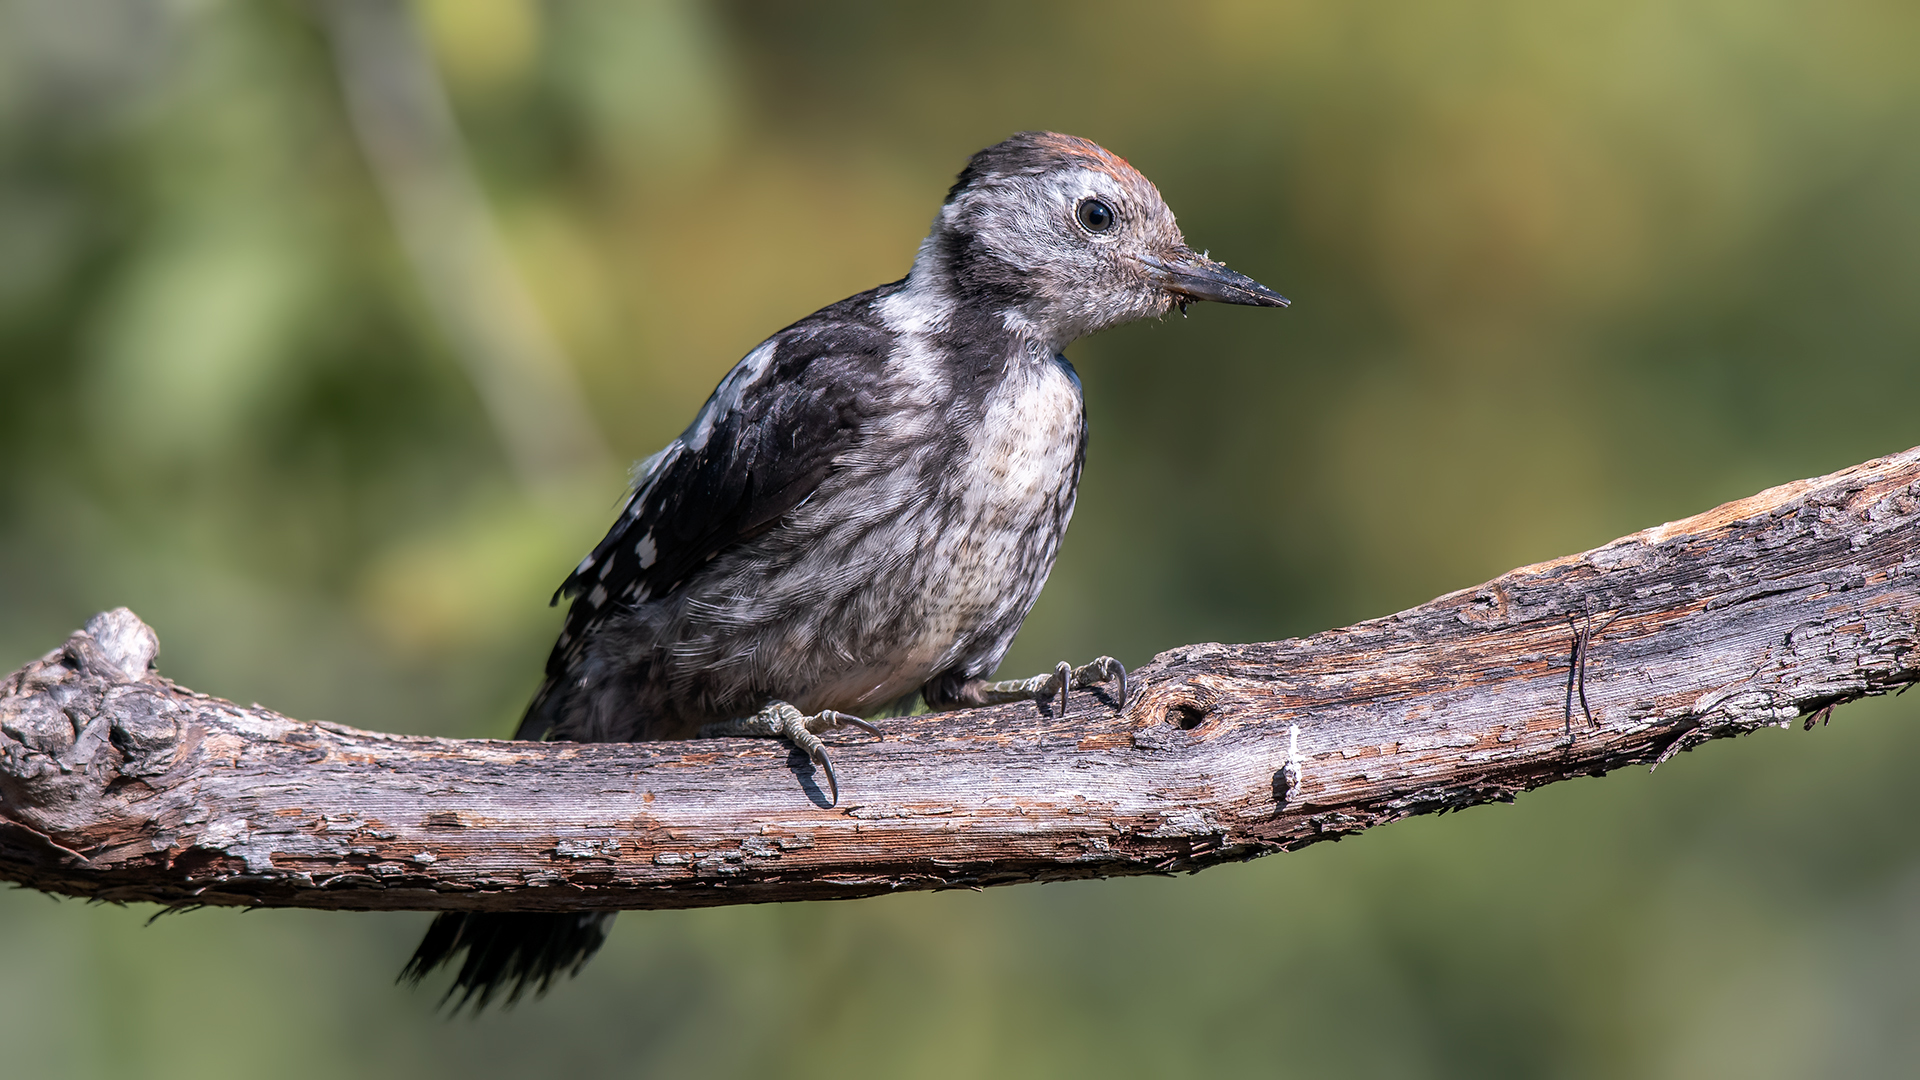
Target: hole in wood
<point>1186,716</point>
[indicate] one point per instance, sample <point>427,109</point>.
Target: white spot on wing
<point>646,550</point>
<point>598,596</point>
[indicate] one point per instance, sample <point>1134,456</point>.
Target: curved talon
<point>792,726</point>
<point>819,756</point>
<point>841,720</point>
<point>1063,675</point>
<point>1102,669</point>
<point>817,750</point>
<point>779,720</point>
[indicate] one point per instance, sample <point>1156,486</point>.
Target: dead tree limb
<point>118,785</point>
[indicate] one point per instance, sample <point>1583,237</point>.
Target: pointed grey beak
<point>1190,276</point>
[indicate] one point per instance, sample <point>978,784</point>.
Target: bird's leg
<point>1042,688</point>
<point>780,720</point>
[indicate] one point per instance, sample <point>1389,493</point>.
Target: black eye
<point>1095,216</point>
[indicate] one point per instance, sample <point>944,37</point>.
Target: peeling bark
<point>118,785</point>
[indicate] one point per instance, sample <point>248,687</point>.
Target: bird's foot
<point>1043,688</point>
<point>780,720</point>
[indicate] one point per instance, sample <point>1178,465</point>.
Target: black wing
<point>765,439</point>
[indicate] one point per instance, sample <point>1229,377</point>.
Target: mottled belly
<point>1014,491</point>
<point>929,577</point>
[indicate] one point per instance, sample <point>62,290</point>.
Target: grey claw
<point>1103,669</point>
<point>819,756</point>
<point>848,720</point>
<point>1065,674</point>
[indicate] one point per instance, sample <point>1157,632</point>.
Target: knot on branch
<point>82,720</point>
<point>115,645</point>
<point>1185,704</point>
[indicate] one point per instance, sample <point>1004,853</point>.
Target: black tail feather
<point>507,952</point>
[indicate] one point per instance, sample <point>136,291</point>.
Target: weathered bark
<point>118,785</point>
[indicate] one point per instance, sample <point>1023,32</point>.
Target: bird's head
<point>1062,238</point>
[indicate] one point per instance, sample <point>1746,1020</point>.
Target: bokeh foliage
<point>1561,271</point>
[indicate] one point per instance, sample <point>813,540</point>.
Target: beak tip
<point>1250,294</point>
<point>1196,277</point>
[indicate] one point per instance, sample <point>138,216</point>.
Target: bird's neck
<point>958,286</point>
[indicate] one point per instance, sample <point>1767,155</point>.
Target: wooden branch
<point>118,785</point>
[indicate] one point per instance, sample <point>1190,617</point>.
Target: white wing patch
<point>914,309</point>
<point>644,471</point>
<point>744,376</point>
<point>917,370</point>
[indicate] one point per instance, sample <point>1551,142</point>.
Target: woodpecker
<point>865,509</point>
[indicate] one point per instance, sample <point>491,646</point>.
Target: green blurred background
<point>1561,271</point>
